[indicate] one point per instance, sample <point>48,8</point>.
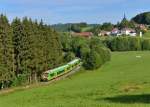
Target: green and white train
<point>54,73</point>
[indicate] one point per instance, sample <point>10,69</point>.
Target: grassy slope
<point>86,29</point>
<point>124,80</point>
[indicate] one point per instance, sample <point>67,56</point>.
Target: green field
<point>123,82</point>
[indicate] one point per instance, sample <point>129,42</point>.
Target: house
<point>128,31</point>
<point>104,33</point>
<point>115,32</point>
<point>141,27</point>
<point>84,34</point>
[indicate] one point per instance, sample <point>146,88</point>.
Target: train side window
<point>60,72</point>
<point>67,68</point>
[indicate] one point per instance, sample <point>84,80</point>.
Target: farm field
<point>122,82</point>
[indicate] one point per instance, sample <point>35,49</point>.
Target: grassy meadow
<point>122,82</point>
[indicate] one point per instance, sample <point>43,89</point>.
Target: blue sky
<point>63,11</point>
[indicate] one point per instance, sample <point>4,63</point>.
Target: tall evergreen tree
<point>19,42</point>
<point>6,50</point>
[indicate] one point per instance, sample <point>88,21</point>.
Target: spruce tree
<point>6,50</point>
<point>19,45</point>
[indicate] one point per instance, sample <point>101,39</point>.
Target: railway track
<point>5,91</point>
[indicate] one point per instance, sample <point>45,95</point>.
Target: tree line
<point>27,48</point>
<point>127,43</point>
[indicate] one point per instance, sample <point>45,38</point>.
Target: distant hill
<point>82,27</point>
<point>143,18</point>
<point>61,27</point>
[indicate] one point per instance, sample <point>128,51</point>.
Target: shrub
<point>84,50</point>
<point>76,45</point>
<point>96,57</point>
<point>20,80</point>
<point>146,44</point>
<point>69,56</point>
<point>92,61</point>
<point>135,44</point>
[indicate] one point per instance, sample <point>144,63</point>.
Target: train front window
<point>45,74</point>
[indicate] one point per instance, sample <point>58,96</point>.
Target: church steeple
<point>124,23</point>
<point>124,18</point>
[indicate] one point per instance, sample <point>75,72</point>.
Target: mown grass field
<point>123,82</point>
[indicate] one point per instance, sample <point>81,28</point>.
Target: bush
<point>135,44</point>
<point>146,44</point>
<point>84,50</point>
<point>78,43</point>
<point>106,54</point>
<point>69,56</point>
<point>92,61</point>
<point>96,58</point>
<point>20,80</point>
<point>122,44</point>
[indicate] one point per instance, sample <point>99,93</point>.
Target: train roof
<point>62,67</point>
<point>72,62</point>
<point>57,69</point>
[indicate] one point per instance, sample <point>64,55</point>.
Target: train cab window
<point>68,68</point>
<point>45,74</point>
<point>52,74</point>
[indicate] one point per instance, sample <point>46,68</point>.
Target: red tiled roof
<point>115,29</point>
<point>128,29</point>
<point>84,34</point>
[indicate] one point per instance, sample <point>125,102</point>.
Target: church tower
<point>124,18</point>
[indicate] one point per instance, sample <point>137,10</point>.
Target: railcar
<point>56,72</point>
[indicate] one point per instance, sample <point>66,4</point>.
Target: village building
<point>104,33</point>
<point>115,32</point>
<point>128,31</point>
<point>143,27</point>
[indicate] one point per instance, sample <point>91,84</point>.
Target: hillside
<point>123,82</point>
<point>142,18</point>
<point>68,27</point>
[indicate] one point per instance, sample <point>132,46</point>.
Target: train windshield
<point>45,74</point>
<point>52,74</point>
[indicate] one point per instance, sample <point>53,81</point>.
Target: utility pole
<point>141,34</point>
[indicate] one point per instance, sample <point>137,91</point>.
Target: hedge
<point>127,43</point>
